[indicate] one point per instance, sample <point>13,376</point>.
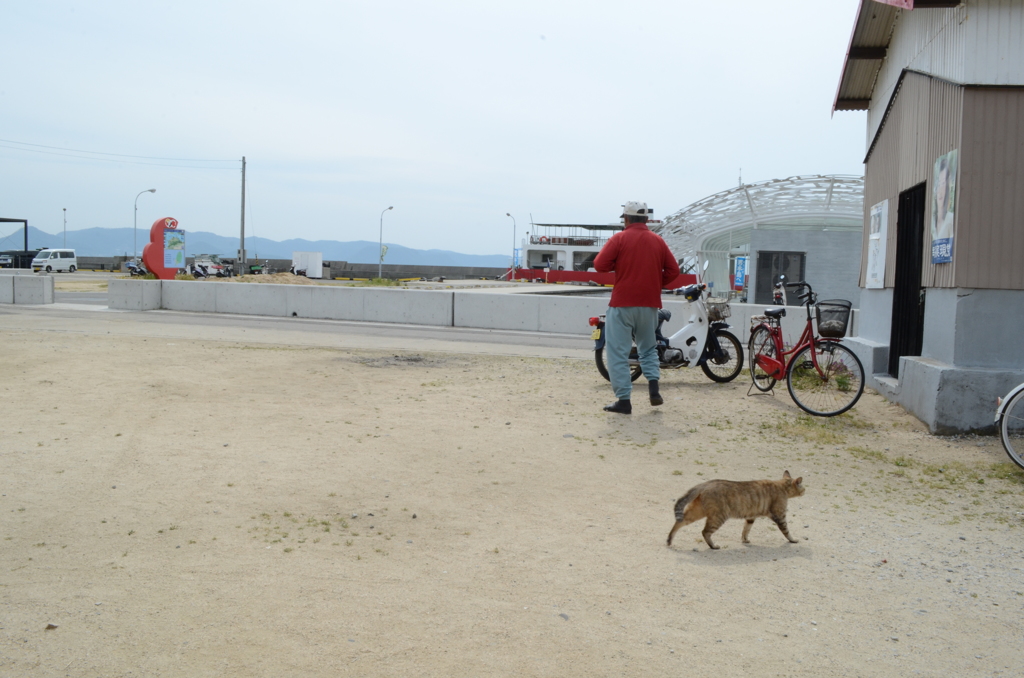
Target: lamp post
<point>380,261</point>
<point>512,267</point>
<point>135,227</point>
<point>65,226</point>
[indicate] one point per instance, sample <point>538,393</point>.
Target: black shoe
<point>620,406</point>
<point>652,387</point>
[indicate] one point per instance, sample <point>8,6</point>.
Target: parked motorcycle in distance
<point>198,271</point>
<point>135,268</point>
<point>703,340</point>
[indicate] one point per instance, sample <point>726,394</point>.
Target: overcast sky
<point>453,112</point>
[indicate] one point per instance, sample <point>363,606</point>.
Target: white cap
<point>636,209</point>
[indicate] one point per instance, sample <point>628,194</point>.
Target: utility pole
<point>241,247</point>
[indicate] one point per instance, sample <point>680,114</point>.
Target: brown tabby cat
<point>719,500</point>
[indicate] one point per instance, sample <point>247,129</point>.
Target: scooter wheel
<point>634,372</point>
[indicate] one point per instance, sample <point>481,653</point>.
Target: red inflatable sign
<point>165,252</point>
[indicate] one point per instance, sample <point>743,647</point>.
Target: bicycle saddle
<point>664,315</point>
<point>779,312</point>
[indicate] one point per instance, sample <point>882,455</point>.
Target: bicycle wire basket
<point>718,310</point>
<point>833,317</point>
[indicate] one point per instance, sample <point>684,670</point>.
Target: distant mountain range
<point>108,242</point>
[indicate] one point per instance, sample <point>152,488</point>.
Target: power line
<point>124,162</point>
<point>119,155</point>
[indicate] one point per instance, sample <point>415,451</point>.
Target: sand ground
<point>237,507</point>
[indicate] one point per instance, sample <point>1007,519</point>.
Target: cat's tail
<point>685,501</point>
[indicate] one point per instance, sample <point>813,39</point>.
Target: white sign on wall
<point>879,226</point>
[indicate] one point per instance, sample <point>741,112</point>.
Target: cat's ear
<point>798,481</point>
<point>785,474</point>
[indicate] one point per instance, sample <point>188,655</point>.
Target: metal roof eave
<point>869,42</point>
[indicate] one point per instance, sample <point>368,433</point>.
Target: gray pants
<point>623,325</point>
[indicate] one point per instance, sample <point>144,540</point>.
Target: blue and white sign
<point>740,272</point>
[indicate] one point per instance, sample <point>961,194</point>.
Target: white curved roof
<point>724,220</point>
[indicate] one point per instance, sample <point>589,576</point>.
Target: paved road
<point>99,320</point>
<point>88,298</point>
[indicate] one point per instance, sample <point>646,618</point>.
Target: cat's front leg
<point>781,522</point>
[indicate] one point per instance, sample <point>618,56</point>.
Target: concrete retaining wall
<point>134,295</point>
<point>557,313</point>
<point>26,288</point>
<point>417,307</point>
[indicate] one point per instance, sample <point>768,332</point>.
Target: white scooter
<point>703,340</point>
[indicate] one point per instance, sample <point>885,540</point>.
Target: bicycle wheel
<point>1011,429</point>
<point>728,363</point>
<point>831,388</point>
<point>761,343</point>
<point>634,371</point>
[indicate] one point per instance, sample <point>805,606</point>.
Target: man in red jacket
<point>643,266</point>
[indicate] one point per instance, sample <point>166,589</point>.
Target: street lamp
<point>512,267</point>
<point>65,226</point>
<point>135,228</point>
<point>380,262</point>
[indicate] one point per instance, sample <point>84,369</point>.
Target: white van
<point>55,260</point>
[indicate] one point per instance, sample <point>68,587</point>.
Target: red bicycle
<point>824,377</point>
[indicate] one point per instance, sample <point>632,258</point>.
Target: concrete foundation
<point>969,356</point>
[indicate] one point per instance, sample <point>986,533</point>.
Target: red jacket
<point>643,266</point>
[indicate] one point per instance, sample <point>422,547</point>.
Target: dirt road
<point>235,507</point>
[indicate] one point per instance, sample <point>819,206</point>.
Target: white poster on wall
<point>879,226</point>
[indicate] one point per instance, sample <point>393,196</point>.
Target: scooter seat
<point>779,312</point>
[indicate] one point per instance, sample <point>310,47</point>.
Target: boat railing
<point>576,241</point>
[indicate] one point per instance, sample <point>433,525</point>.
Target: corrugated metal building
<point>942,307</point>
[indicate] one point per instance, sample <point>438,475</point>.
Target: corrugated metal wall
<point>994,38</point>
<point>981,42</point>
<point>928,40</point>
<point>923,123</point>
<point>988,248</point>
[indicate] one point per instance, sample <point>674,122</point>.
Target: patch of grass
<point>865,453</point>
<point>819,430</point>
<point>1006,471</point>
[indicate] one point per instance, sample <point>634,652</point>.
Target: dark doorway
<point>771,266</point>
<point>907,294</point>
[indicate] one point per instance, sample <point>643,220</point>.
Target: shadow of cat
<point>745,554</point>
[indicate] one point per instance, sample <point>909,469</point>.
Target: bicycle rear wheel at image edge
<point>833,387</point>
<point>1011,429</point>
<point>761,343</point>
